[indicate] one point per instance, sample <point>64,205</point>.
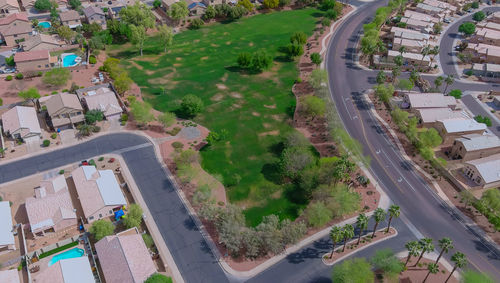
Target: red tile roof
<point>13,17</point>
<point>31,55</point>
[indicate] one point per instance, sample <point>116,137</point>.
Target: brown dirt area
<point>418,273</point>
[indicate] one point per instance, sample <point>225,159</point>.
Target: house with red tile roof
<point>32,61</point>
<point>124,257</point>
<point>15,28</point>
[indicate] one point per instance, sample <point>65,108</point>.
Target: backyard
<point>250,110</point>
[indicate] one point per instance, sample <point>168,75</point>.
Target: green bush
<point>39,74</point>
<point>148,240</point>
<point>92,59</point>
<point>177,145</point>
<point>19,76</point>
<point>456,93</point>
<point>61,172</point>
<point>56,250</point>
<point>93,116</point>
<point>53,136</point>
<point>8,78</point>
<point>159,278</point>
<point>196,23</point>
<point>46,143</point>
<point>1,102</point>
<point>475,5</point>
<point>100,158</point>
<point>124,117</point>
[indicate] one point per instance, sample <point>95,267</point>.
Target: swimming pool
<point>76,252</point>
<point>45,24</point>
<point>70,59</point>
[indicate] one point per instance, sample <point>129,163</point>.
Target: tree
<point>438,82</point>
<point>405,84</point>
<point>413,250</point>
<point>75,4</point>
<point>437,28</point>
<point>101,228</point>
<point>467,197</point>
<point>460,261</point>
<point>261,60</point>
<point>425,51</point>
<point>209,13</point>
<point>134,216</point>
<point>425,246</point>
<point>156,4</point>
<point>430,138</point>
<point>283,3</point>
<point>142,112</point>
<point>167,119</point>
<point>455,93</point>
<point>56,76</point>
<point>178,11</point>
<point>86,129</point>
<point>394,211</point>
<point>467,28</point>
<point>294,160</point>
<point>316,58</point>
<point>336,236</point>
<point>196,23</point>
<point>29,94</point>
<point>166,36</point>
<point>483,119</point>
<point>158,278</point>
<point>10,61</point>
<point>138,15</point>
<point>138,36</point>
<point>191,105</point>
<point>93,116</point>
<point>2,152</point>
<point>246,4</point>
<point>381,77</point>
<point>446,244</point>
<point>470,276</point>
<point>386,261</point>
<point>378,215</point>
<point>448,81</point>
<point>299,37</point>
<point>398,60</point>
<point>313,106</point>
<point>122,82</point>
<point>65,33</point>
<point>244,59</point>
<point>331,15</point>
<point>479,16</point>
<point>318,78</point>
<point>271,4</point>
<point>356,270</point>
<point>362,224</point>
<point>348,233</point>
<point>43,5</point>
<point>432,268</point>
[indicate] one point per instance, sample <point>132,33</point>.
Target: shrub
<point>93,116</point>
<point>101,228</point>
<point>19,76</point>
<point>475,5</point>
<point>134,216</point>
<point>39,74</point>
<point>92,59</point>
<point>401,25</point>
<point>1,102</point>
<point>479,16</point>
<point>53,136</point>
<point>177,145</point>
<point>191,105</point>
<point>318,214</point>
<point>100,158</point>
<point>326,22</point>
<point>58,249</point>
<point>456,93</point>
<point>61,172</point>
<point>159,278</point>
<point>46,143</point>
<point>148,240</point>
<point>8,78</point>
<point>196,23</point>
<point>124,117</point>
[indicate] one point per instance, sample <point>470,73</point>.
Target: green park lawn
<point>254,109</point>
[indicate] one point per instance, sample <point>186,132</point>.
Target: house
<point>102,98</point>
<point>9,276</point>
<point>485,172</point>
<point>70,18</point>
<point>429,116</point>
<point>15,28</point>
<point>451,129</point>
<point>420,16</point>
<point>443,5</point>
<point>124,257</point>
<point>7,242</point>
<point>34,61</point>
<point>487,36</point>
<point>429,101</point>
<point>69,270</point>
<point>486,71</point>
<point>475,146</point>
<point>489,25</point>
<point>99,192</point>
<point>412,59</point>
<point>167,3</point>
<point>494,17</point>
<point>408,34</point>
<point>42,42</point>
<point>484,53</point>
<point>196,8</point>
<point>115,8</point>
<point>410,45</point>
<point>64,110</point>
<point>8,7</point>
<point>417,25</point>
<point>21,122</point>
<point>430,10</point>
<point>51,210</point>
<point>212,2</point>
<point>94,14</point>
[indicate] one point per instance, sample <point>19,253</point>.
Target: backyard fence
<point>53,246</point>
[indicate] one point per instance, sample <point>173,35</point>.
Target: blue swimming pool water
<point>76,252</point>
<point>45,24</point>
<point>69,60</point>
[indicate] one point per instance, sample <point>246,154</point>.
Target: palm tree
<point>460,261</point>
<point>446,244</point>
<point>425,51</point>
<point>378,215</point>
<point>433,268</point>
<point>336,235</point>
<point>348,232</point>
<point>362,224</point>
<point>396,71</point>
<point>434,51</point>
<point>402,50</point>
<point>426,246</point>
<point>449,80</point>
<point>438,82</point>
<point>394,211</point>
<point>413,250</point>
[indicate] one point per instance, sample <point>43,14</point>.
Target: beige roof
<point>124,258</point>
<point>31,56</point>
<point>430,100</point>
<point>440,4</point>
<point>40,38</point>
<point>431,115</point>
<point>71,270</point>
<point>409,55</point>
<point>474,142</point>
<point>9,276</point>
<point>70,15</point>
<point>22,26</point>
<point>420,16</point>
<point>103,99</point>
<point>415,22</point>
<point>12,3</point>
<point>62,100</point>
<point>488,33</point>
<point>489,25</point>
<point>21,117</point>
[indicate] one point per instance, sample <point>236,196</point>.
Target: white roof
<point>6,236</point>
<point>428,7</point>
<point>431,115</point>
<point>110,190</point>
<point>420,16</point>
<point>9,276</point>
<point>477,142</point>
<point>430,100</point>
<point>488,167</point>
<point>492,67</point>
<point>408,34</point>
<point>456,125</point>
<point>77,270</point>
<point>409,55</point>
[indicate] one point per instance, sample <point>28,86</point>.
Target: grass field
<point>252,108</point>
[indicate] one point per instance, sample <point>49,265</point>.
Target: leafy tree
<point>318,78</point>
<point>479,16</point>
<point>270,4</point>
<point>316,58</point>
<point>93,28</point>
<point>356,270</point>
<point>86,129</point>
<point>331,14</point>
<point>430,138</point>
<point>75,4</point>
<point>405,84</point>
<point>362,224</point>
<point>138,15</point>
<point>122,82</point>
<point>384,92</point>
<point>299,37</point>
<point>432,268</point>
<point>138,36</point>
<point>348,233</point>
<point>244,59</point>
<point>313,106</point>
<point>456,93</point>
<point>398,60</point>
<point>65,33</point>
<point>467,197</point>
<point>93,116</point>
<point>294,160</point>
<point>283,3</point>
<point>474,5</point>
<point>43,5</point>
<point>467,28</point>
<point>261,60</point>
<point>292,232</point>
<point>446,244</point>
<point>209,13</point>
<point>191,105</point>
<point>327,5</point>
<point>336,236</point>
<point>437,28</point>
<point>101,228</point>
<point>386,261</point>
<point>413,250</point>
<point>156,4</point>
<point>470,276</point>
<point>166,36</point>
<point>484,120</point>
<point>246,4</point>
<point>134,216</point>
<point>158,278</point>
<point>2,152</point>
<point>167,119</point>
<point>381,77</point>
<point>378,215</point>
<point>142,112</point>
<point>10,61</point>
<point>393,211</point>
<point>178,11</point>
<point>96,43</point>
<point>29,94</point>
<point>425,246</point>
<point>56,77</point>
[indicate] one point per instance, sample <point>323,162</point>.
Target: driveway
<point>68,136</point>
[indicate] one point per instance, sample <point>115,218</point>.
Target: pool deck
<point>44,262</point>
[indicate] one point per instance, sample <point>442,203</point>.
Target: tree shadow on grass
<point>272,173</point>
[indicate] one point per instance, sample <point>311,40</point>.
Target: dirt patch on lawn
<point>177,65</point>
<point>147,58</point>
<point>221,86</point>
<point>217,97</point>
<point>178,58</point>
<point>224,78</point>
<point>277,117</point>
<point>162,80</point>
<point>196,41</point>
<point>270,133</point>
<point>228,42</point>
<point>236,95</point>
<point>270,106</point>
<point>136,65</point>
<point>267,125</point>
<point>256,114</point>
<point>204,58</point>
<point>214,45</point>
<point>250,44</point>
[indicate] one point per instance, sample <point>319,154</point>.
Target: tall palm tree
<point>446,244</point>
<point>434,51</point>
<point>378,215</point>
<point>425,51</point>
<point>426,246</point>
<point>402,50</point>
<point>413,250</point>
<point>396,71</point>
<point>348,233</point>
<point>448,81</point>
<point>460,261</point>
<point>394,211</point>
<point>433,268</point>
<point>438,82</point>
<point>336,235</point>
<point>362,224</point>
